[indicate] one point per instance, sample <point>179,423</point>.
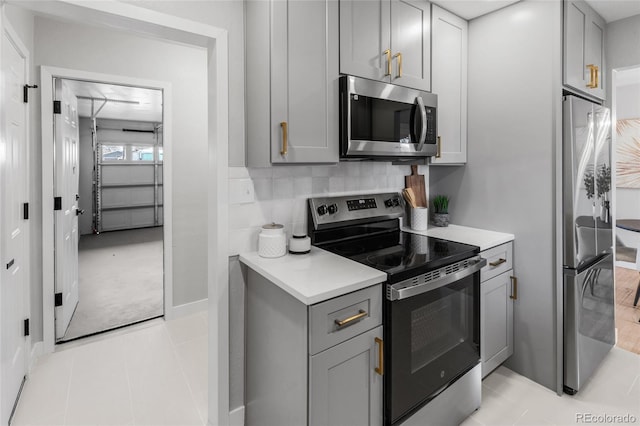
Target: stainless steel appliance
<point>588,261</point>
<point>383,121</point>
<point>431,309</point>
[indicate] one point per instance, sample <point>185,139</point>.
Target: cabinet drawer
<point>358,312</point>
<point>499,260</point>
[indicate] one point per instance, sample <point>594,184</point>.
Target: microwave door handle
<point>423,115</point>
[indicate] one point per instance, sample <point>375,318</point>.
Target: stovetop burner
<point>402,255</point>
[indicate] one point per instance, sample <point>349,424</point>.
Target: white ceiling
<point>610,10</point>
<point>140,104</point>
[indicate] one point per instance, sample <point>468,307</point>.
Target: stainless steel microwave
<point>381,121</point>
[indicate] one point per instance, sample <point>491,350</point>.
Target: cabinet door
<point>411,43</point>
<point>496,322</point>
<point>364,38</point>
<point>344,388</point>
<point>449,55</point>
<point>583,48</point>
<point>304,81</point>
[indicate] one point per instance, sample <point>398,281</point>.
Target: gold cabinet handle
<point>399,56</point>
<point>388,54</point>
<point>498,262</point>
<point>361,314</point>
<point>285,138</point>
<point>380,368</point>
<point>439,148</point>
<point>593,76</point>
<point>597,77</point>
<point>514,288</point>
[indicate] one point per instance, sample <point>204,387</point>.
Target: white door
<point>14,274</point>
<point>66,218</point>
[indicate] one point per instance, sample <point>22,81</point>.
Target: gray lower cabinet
<point>317,365</point>
<point>292,94</point>
<point>498,291</point>
<point>345,387</point>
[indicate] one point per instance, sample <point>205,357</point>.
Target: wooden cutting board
<point>416,183</point>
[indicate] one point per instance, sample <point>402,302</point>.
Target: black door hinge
<point>57,203</point>
<point>25,91</point>
<point>57,107</point>
<point>58,300</point>
<point>26,327</point>
<point>25,211</point>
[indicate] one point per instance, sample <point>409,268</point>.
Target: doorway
<point>626,111</point>
<point>119,196</point>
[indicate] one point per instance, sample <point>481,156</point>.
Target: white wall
<point>509,182</point>
<point>623,39</point>
<point>229,15</point>
<point>76,46</point>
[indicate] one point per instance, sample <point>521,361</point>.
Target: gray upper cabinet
<point>292,82</point>
<point>584,39</point>
<point>449,56</point>
<point>387,40</point>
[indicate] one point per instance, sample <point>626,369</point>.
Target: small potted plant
<point>441,210</point>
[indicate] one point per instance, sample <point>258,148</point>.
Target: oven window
<point>382,120</point>
<point>437,328</point>
<point>432,339</point>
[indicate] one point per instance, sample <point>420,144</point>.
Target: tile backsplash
<point>280,194</point>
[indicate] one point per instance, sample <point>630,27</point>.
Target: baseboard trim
<point>37,349</point>
<point>187,309</point>
<point>236,417</point>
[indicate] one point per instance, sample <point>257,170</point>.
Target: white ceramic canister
<point>299,244</point>
<point>272,241</point>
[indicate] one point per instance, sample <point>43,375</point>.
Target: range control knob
<point>396,202</point>
<point>322,209</point>
<point>389,202</point>
<point>333,209</point>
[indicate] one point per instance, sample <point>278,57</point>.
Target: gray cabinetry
<point>292,82</point>
<point>584,40</point>
<point>344,387</point>
<point>497,293</point>
<point>449,80</point>
<point>387,40</point>
<point>319,364</point>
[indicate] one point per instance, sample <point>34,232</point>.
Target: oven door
<point>431,339</point>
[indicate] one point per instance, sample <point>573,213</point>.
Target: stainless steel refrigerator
<point>589,325</point>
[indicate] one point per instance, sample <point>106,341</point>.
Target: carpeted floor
<point>627,315</point>
<point>121,280</point>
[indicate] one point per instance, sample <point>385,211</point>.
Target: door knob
<point>79,212</point>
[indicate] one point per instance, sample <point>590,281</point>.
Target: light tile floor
<point>154,373</point>
<point>157,375</point>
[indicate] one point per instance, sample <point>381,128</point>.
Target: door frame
<point>7,29</point>
<point>47,74</point>
<point>167,27</point>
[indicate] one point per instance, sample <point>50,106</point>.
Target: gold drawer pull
<point>380,368</point>
<point>439,148</point>
<point>514,288</point>
<point>399,56</point>
<point>388,54</point>
<point>498,262</point>
<point>285,138</point>
<point>341,323</point>
<point>593,76</point>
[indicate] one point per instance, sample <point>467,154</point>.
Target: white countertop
<point>464,234</point>
<point>314,277</point>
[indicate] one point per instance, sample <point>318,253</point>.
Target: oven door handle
<point>401,291</point>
